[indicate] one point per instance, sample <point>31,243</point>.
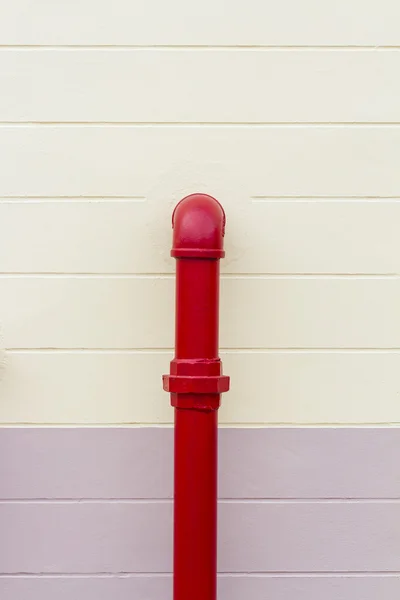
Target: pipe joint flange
<point>182,384</point>
<point>195,377</point>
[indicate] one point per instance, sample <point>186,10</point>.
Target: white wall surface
<point>289,113</point>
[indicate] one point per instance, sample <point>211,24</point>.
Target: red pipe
<point>195,383</point>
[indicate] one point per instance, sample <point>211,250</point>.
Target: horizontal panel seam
<point>226,424</point>
<point>226,351</point>
<point>223,424</point>
<point>369,48</point>
<point>168,501</point>
<point>224,276</point>
<point>298,199</point>
<point>37,124</point>
<point>68,200</point>
<point>236,574</point>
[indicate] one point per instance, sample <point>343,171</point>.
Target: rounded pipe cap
<point>198,223</point>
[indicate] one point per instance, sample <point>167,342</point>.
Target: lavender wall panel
<point>309,587</point>
<point>306,513</point>
<point>125,536</point>
<point>252,587</point>
<point>310,462</point>
<point>85,462</point>
<point>142,587</point>
<point>298,462</point>
<point>309,536</point>
<point>85,537</point>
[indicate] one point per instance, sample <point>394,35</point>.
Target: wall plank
<point>114,236</point>
<point>272,387</point>
<point>113,537</point>
<point>124,22</point>
<point>312,536</point>
<point>256,587</point>
<point>271,312</point>
<point>233,162</point>
<point>100,546</point>
<point>266,462</point>
<point>70,236</point>
<point>86,537</point>
<point>129,86</point>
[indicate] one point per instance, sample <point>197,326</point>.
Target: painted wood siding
<point>287,113</point>
<point>122,85</point>
<point>122,22</point>
<point>304,512</point>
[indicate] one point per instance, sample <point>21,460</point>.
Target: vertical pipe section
<point>195,383</point>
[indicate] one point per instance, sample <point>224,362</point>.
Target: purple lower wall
<point>305,513</point>
<point>268,462</point>
<point>238,587</point>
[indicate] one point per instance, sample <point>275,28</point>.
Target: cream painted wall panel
<point>87,312</point>
<point>266,387</point>
<point>73,236</point>
<point>226,86</point>
<point>270,236</point>
<point>233,162</point>
<point>137,312</point>
<point>84,388</point>
<point>265,22</point>
<point>310,312</point>
<point>315,236</point>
